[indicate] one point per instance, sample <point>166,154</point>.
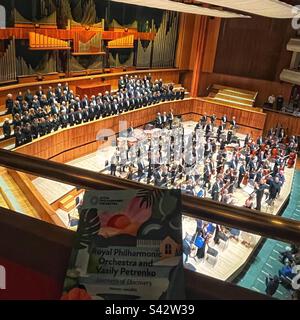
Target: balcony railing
<point>198,286</point>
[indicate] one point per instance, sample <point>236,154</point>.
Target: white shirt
<point>271,99</point>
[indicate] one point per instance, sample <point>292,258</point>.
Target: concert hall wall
<point>254,48</point>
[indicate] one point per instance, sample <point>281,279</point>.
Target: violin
<point>263,147</point>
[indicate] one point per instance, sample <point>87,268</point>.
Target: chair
<point>212,256</point>
<point>223,241</point>
<point>248,239</point>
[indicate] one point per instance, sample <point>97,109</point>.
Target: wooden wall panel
<point>210,50</point>
<point>185,41</point>
<point>249,121</point>
<point>253,47</point>
<point>265,88</point>
<point>289,122</point>
<point>71,143</point>
<point>199,40</point>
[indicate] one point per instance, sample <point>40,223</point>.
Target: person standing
<point>259,190</point>
<point>215,191</point>
<point>6,129</point>
<point>113,165</point>
<point>272,284</point>
<point>242,171</point>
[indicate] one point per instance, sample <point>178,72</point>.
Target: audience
<point>35,115</point>
<point>289,258</point>
<point>278,103</point>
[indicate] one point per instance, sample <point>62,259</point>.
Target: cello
<point>292,160</point>
<point>274,152</point>
<point>245,178</point>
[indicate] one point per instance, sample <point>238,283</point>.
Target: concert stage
<point>232,257</point>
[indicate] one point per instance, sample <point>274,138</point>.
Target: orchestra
<point>207,160</point>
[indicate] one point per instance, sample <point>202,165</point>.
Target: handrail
<point>51,255</point>
<point>244,219</point>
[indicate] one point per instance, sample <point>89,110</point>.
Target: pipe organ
<point>165,41</point>
<point>122,43</point>
<point>8,65</point>
<point>115,62</point>
<point>40,42</point>
<point>23,68</point>
<point>93,46</point>
<point>88,39</point>
<point>144,55</point>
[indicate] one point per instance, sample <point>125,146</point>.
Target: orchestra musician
<point>259,189</point>
<point>242,171</point>
<point>250,164</point>
<point>216,189</point>
<point>233,124</point>
<point>249,202</point>
<point>224,121</point>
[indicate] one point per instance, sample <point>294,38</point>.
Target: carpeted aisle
<point>267,260</point>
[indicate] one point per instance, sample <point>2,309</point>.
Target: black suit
<point>64,120</point>
<point>9,105</point>
<point>215,191</point>
<point>71,119</point>
<point>242,172</point>
<point>6,130</point>
<point>78,117</point>
<point>259,194</point>
<point>141,169</point>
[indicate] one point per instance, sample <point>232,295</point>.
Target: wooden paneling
<point>254,47</point>
<point>168,75</point>
<point>71,143</point>
<point>199,38</point>
<point>289,122</point>
<point>185,41</point>
<point>91,90</point>
<point>82,139</point>
<point>248,120</point>
<point>210,50</point>
<point>265,88</point>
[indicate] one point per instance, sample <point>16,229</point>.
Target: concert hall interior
<point>198,96</point>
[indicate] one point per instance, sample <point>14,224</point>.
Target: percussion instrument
<point>121,141</point>
<point>156,133</point>
<point>176,122</point>
<point>148,133</point>
<point>139,134</point>
<point>132,141</point>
